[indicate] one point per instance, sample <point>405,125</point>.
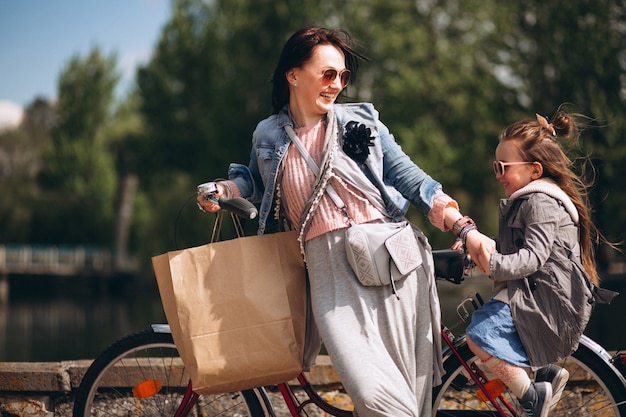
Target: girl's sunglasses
<point>499,167</point>
<point>330,75</point>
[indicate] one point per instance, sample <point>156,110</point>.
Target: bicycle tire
<point>149,362</point>
<point>593,389</point>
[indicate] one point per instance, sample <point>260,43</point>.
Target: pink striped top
<point>297,185</point>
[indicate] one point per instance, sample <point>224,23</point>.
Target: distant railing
<point>59,260</point>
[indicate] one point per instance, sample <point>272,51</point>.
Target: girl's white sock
<point>513,376</point>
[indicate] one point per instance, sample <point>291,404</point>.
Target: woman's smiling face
<point>312,95</point>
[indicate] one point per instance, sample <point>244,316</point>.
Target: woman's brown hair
<point>299,49</point>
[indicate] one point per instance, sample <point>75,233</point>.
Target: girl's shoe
<point>537,399</point>
<point>556,376</point>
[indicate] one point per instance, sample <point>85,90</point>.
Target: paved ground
<point>63,408</point>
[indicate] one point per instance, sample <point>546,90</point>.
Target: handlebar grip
<point>451,265</point>
<point>239,206</point>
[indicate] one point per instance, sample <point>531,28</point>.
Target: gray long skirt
<point>381,346</point>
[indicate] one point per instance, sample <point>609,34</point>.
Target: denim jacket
<point>400,181</point>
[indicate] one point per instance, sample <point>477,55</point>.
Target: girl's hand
<point>480,248</point>
<point>458,244</point>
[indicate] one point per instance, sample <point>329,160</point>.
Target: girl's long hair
<point>539,141</point>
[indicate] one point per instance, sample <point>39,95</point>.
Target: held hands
<point>480,248</point>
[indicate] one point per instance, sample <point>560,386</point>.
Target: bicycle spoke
<point>142,375</point>
<point>592,390</point>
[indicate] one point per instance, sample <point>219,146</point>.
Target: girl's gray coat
<point>550,295</point>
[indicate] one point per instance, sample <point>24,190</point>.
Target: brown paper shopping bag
<point>237,310</point>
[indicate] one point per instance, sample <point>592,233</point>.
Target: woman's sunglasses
<point>499,167</point>
<point>330,75</point>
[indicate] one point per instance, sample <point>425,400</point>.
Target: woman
<point>382,344</point>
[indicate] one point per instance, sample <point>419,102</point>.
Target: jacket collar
<point>283,117</point>
<point>549,187</point>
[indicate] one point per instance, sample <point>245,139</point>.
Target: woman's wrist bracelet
<point>467,227</point>
<point>458,225</point>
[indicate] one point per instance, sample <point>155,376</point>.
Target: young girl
<point>544,271</point>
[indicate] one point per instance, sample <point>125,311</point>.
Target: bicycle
<point>142,375</point>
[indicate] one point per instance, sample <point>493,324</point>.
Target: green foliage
<point>20,162</point>
<point>208,83</point>
<point>572,53</point>
<point>78,178</point>
<point>446,76</point>
<point>432,77</point>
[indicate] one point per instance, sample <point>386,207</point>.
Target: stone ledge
<point>65,376</point>
<point>40,376</point>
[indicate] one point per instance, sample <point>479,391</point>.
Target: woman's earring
<point>295,84</point>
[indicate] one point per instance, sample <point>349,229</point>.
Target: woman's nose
<point>337,83</point>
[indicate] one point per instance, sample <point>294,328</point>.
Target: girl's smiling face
<point>515,176</point>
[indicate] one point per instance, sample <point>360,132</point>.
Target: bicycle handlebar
<point>452,265</point>
<point>239,206</point>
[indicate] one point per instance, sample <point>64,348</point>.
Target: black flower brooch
<point>357,139</point>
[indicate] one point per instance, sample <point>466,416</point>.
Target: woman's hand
<point>210,204</point>
<point>480,248</point>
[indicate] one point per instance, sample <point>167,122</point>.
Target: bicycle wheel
<point>143,375</point>
<point>593,389</point>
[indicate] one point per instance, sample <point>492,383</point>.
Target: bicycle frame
<point>187,402</point>
<point>458,360</point>
<point>616,363</point>
<point>451,349</point>
<point>295,407</point>
<point>477,375</point>
<point>452,345</point>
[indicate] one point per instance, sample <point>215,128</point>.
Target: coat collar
<point>549,187</point>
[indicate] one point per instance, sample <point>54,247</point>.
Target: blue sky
<point>39,37</point>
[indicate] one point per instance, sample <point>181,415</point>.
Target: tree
<point>20,163</point>
<point>207,85</point>
<point>208,82</point>
<point>204,91</point>
<point>79,180</point>
<point>572,53</point>
<point>433,78</point>
<point>125,139</point>
<point>446,76</point>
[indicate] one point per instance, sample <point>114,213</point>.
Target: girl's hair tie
<point>544,123</point>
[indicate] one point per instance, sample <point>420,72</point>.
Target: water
<point>54,319</point>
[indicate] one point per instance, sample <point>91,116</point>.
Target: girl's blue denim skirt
<point>492,329</point>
